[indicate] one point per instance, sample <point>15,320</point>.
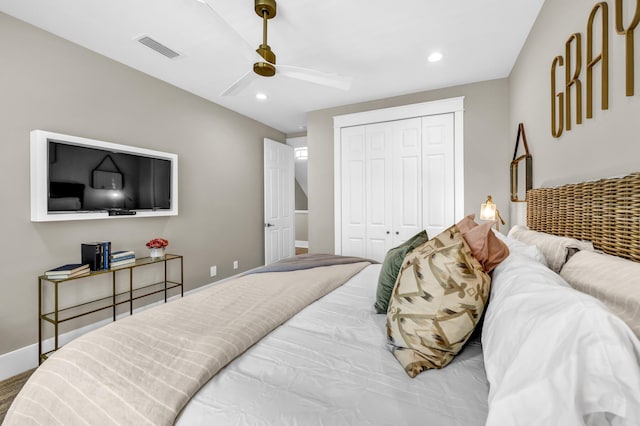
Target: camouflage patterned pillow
<point>438,299</point>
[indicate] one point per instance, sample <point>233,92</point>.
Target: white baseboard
<point>303,244</point>
<point>26,358</point>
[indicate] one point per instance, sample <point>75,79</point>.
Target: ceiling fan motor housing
<point>265,51</point>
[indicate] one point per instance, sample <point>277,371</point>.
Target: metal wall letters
<point>561,101</point>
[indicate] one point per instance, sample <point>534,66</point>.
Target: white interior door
<point>279,188</point>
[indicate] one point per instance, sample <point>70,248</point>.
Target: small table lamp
<point>489,211</point>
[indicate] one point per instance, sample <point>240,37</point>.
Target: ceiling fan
<point>265,65</point>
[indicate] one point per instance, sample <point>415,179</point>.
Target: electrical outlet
<point>213,271</point>
<point>235,264</point>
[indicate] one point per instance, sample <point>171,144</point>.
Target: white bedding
<point>555,356</point>
<point>329,365</point>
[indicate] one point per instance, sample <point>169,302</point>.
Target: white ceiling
<point>382,44</point>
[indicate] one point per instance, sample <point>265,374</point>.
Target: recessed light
<point>261,96</point>
<point>435,57</point>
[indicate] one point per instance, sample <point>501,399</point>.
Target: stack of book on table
<point>96,255</point>
<point>122,258</point>
<point>71,270</point>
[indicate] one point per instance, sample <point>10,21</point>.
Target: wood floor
<point>301,250</point>
<point>9,389</point>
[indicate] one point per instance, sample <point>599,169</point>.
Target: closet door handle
<point>388,232</point>
<point>397,233</point>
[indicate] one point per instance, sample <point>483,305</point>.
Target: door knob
<point>397,233</point>
<point>268,225</point>
<point>388,232</point>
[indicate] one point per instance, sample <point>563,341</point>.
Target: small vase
<point>155,253</point>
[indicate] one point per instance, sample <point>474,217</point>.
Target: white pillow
<point>555,249</point>
<point>614,281</point>
<point>553,355</point>
<point>519,247</point>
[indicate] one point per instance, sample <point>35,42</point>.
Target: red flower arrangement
<point>158,243</point>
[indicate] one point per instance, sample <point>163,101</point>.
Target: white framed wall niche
<point>397,171</point>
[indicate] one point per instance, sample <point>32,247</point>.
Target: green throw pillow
<point>391,267</point>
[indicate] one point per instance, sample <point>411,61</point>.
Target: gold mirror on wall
<point>521,169</point>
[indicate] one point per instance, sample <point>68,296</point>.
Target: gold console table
<point>58,316</point>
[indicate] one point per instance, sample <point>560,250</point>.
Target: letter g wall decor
<point>598,23</point>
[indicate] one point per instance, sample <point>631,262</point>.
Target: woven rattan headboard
<point>605,212</point>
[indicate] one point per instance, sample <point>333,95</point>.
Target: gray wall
<point>603,146</point>
<point>487,152</point>
<point>301,200</point>
<point>302,203</point>
<point>50,84</point>
<point>302,227</point>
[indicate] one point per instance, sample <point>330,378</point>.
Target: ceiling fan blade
<point>316,77</point>
<point>304,74</point>
<point>240,84</point>
<point>249,51</point>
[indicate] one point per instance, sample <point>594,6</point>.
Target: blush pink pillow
<point>488,249</point>
<point>467,223</point>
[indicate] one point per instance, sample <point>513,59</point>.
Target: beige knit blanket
<point>142,370</point>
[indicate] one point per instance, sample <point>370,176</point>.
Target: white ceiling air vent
<point>158,47</point>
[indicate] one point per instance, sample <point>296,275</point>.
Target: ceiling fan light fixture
<point>264,69</point>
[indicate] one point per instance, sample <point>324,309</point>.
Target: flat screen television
<point>75,178</point>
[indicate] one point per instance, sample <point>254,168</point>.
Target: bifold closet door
<point>396,178</point>
<point>381,186</point>
<point>366,190</point>
<point>378,187</point>
<point>353,196</point>
<point>407,180</point>
<point>438,184</point>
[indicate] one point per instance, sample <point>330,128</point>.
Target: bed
<point>319,355</point>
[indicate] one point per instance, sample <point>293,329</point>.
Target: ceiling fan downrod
<point>266,9</point>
